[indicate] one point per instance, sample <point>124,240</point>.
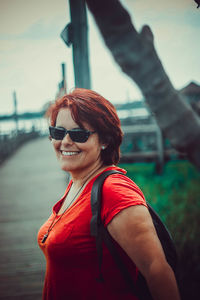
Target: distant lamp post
<point>15,116</point>
<point>64,79</point>
<point>62,86</point>
<point>75,33</point>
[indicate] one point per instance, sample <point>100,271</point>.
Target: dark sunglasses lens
<point>57,133</point>
<point>79,136</point>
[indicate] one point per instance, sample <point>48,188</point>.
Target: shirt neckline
<point>58,204</point>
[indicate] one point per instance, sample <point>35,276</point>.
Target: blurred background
<point>38,65</point>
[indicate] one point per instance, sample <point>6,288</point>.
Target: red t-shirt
<point>70,250</point>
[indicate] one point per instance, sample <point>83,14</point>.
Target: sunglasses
<point>76,135</point>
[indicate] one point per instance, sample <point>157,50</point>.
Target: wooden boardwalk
<point>30,183</point>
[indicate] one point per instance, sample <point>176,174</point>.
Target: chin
<point>67,167</point>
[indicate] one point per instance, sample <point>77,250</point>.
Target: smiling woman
<point>78,157</point>
<point>86,135</point>
<point>86,106</point>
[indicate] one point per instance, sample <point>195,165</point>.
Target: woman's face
<point>76,157</point>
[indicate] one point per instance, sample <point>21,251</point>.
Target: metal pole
<point>80,43</point>
<point>160,150</point>
<point>15,110</point>
<point>64,79</point>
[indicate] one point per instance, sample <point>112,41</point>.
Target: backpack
<point>101,234</point>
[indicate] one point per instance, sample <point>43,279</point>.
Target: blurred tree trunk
<point>137,57</point>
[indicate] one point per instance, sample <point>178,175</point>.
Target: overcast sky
<point>31,50</point>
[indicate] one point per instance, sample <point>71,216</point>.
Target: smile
<point>69,153</point>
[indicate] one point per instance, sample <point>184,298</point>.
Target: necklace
<point>52,223</point>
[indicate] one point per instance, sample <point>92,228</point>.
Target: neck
<point>81,178</point>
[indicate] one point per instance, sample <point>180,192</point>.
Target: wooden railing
<point>10,142</point>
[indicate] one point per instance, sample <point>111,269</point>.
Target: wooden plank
<point>139,128</point>
<point>27,194</point>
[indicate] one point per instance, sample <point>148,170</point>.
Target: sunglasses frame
<point>65,132</point>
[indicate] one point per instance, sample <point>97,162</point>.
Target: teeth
<point>67,153</point>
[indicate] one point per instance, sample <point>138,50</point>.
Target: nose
<point>67,140</point>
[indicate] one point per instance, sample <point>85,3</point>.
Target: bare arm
<point>134,231</point>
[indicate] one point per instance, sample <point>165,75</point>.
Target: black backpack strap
<point>96,200</point>
<point>101,233</point>
<point>96,227</point>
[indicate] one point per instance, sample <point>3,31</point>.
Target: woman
<point>86,136</point>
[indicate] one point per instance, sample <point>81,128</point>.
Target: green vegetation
<point>175,195</point>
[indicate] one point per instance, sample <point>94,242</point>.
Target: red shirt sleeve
<point>119,192</point>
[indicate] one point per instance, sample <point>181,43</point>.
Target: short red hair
<point>90,107</point>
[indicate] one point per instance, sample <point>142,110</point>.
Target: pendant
<point>44,237</point>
